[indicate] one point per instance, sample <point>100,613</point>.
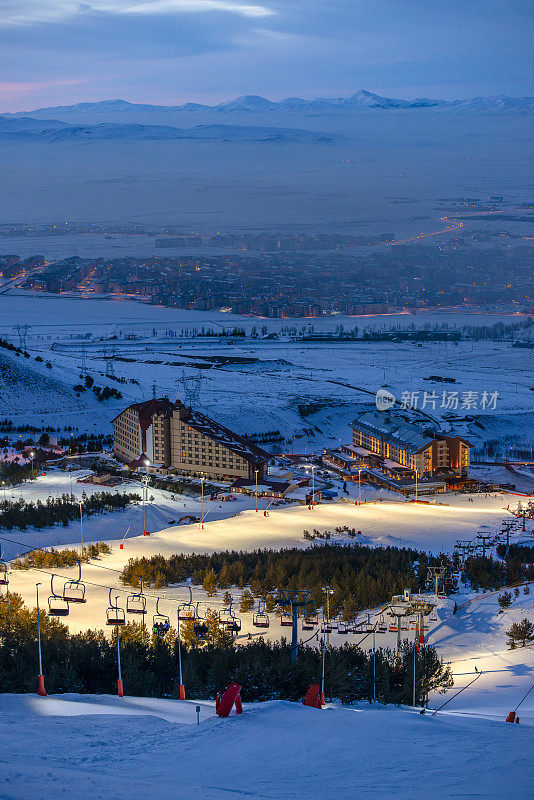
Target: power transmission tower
<point>22,332</point>
<point>191,385</point>
<point>83,367</point>
<point>109,358</point>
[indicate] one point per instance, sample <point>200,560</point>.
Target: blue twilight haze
<point>171,51</point>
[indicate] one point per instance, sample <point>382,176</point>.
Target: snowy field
<point>252,385</point>
<point>126,748</point>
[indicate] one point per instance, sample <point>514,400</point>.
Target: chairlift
<point>114,614</point>
<point>312,618</point>
<point>74,591</point>
<point>392,626</point>
<point>57,605</point>
<point>382,627</point>
<point>226,615</point>
<point>136,602</point>
<point>326,627</point>
<point>234,626</point>
<point>343,628</point>
<point>286,620</point>
<point>260,619</point>
<point>200,628</point>
<point>186,611</point>
<point>161,623</point>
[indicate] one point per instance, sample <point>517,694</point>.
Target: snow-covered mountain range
<point>360,101</point>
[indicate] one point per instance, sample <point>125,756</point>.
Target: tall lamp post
<point>80,503</point>
<point>32,456</point>
<point>144,482</point>
<point>359,487</point>
<point>202,491</point>
<point>313,485</point>
<point>256,473</point>
<point>40,678</point>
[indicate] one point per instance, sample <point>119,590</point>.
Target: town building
<point>164,436</point>
<point>401,454</point>
<point>412,445</point>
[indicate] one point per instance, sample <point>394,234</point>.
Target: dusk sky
<point>171,51</point>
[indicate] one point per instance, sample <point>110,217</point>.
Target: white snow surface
<point>131,748</point>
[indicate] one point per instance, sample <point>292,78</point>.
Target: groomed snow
<point>274,751</point>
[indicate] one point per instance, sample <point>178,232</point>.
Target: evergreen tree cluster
<point>59,510</point>
<point>484,572</point>
<point>87,662</point>
<point>361,577</point>
<point>67,557</point>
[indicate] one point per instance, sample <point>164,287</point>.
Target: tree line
<point>59,510</point>
<point>87,662</point>
<point>360,577</point>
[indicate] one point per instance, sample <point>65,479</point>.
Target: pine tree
<point>247,601</point>
<point>505,600</point>
<point>209,584</point>
<point>520,633</point>
<point>227,598</point>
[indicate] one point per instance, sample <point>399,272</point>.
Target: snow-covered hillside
<point>132,748</point>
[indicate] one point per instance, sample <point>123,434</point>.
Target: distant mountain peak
<point>362,100</point>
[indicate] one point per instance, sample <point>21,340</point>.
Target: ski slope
<point>103,747</point>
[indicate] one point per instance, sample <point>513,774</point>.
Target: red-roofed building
<point>161,434</point>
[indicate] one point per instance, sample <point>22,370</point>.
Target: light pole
<point>182,687</point>
<point>416,485</point>
<point>40,679</point>
<point>313,485</point>
<point>359,487</point>
<point>80,503</point>
<point>120,689</point>
<point>323,640</point>
<point>32,456</point>
<point>202,490</point>
<point>144,482</point>
<point>256,473</point>
<point>374,667</point>
<point>328,591</point>
<point>414,660</point>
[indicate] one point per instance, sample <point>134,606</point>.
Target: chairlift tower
<point>436,578</point>
<point>295,599</point>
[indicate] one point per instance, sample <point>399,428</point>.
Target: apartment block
<point>160,434</point>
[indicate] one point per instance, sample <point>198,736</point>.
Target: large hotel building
<point>169,436</point>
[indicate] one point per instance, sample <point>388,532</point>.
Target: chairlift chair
<point>57,605</point>
<point>115,614</point>
<point>234,626</point>
<point>381,627</point>
<point>74,591</point>
<point>261,620</point>
<point>326,627</point>
<point>186,611</point>
<point>392,626</point>
<point>286,620</point>
<point>160,622</point>
<point>343,627</point>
